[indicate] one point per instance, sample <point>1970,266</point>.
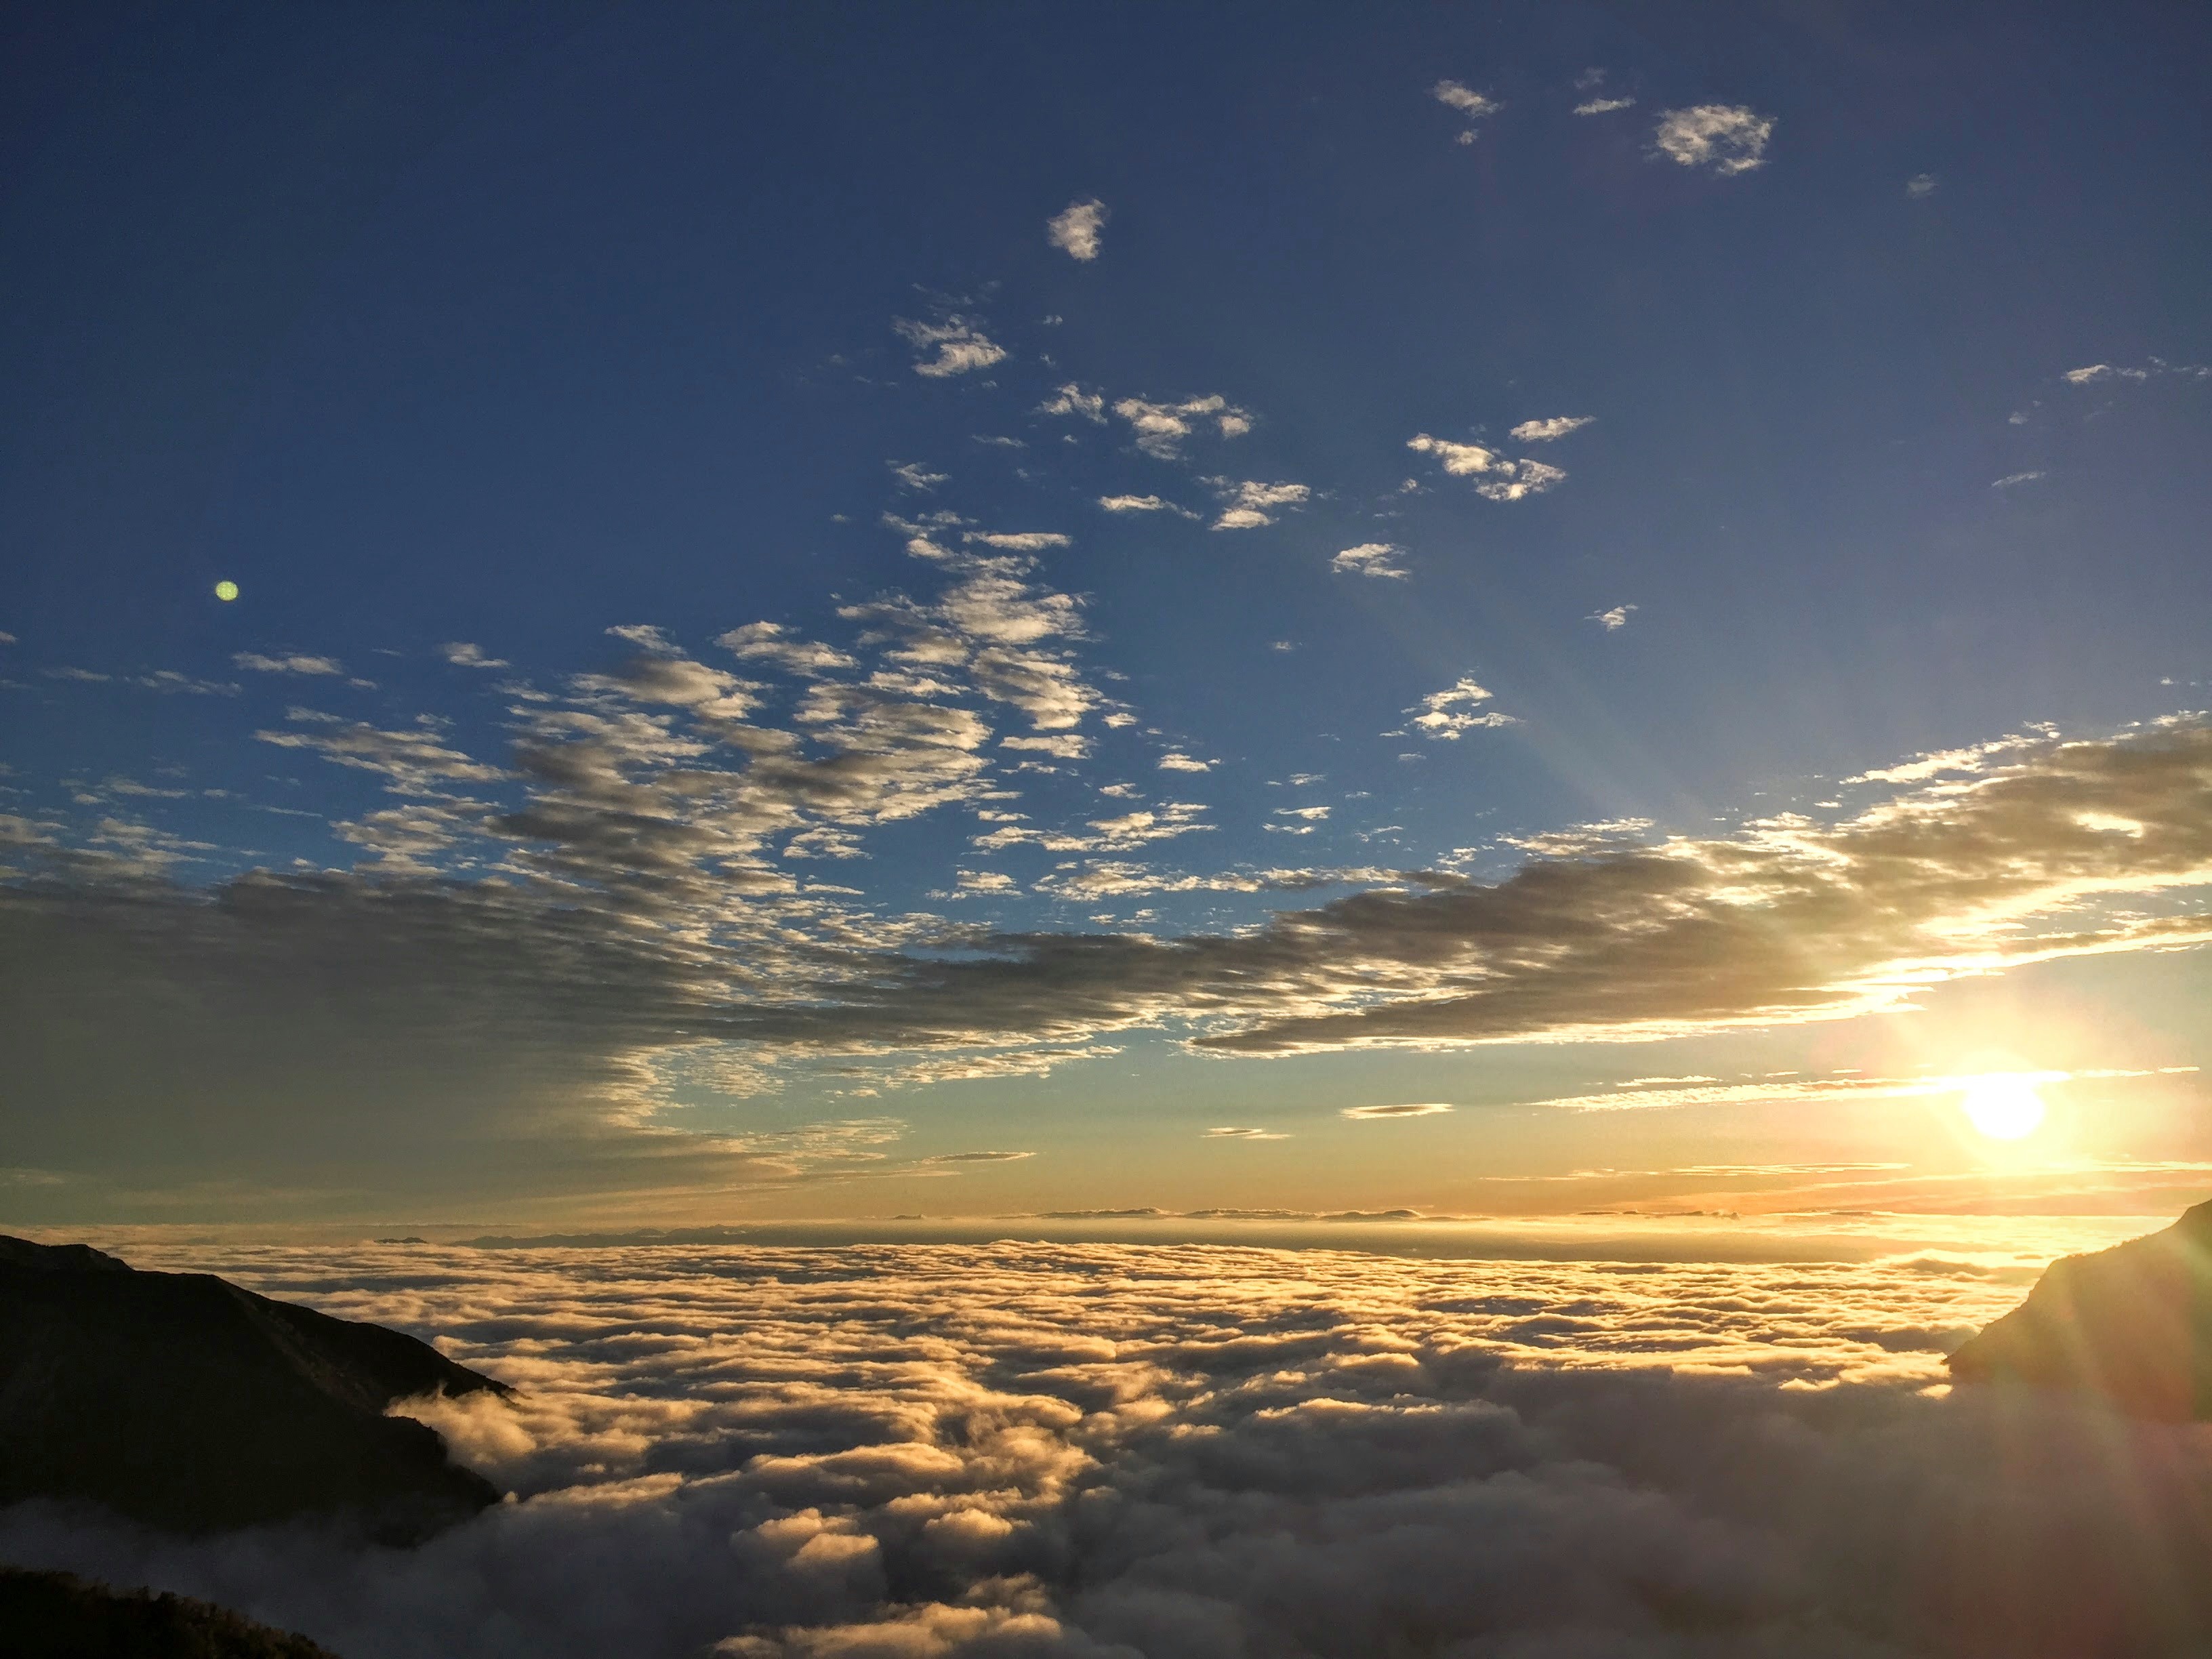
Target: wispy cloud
<point>1420,1109</point>
<point>2156,368</point>
<point>1604,106</point>
<point>1922,185</point>
<point>1144,504</point>
<point>1543,432</point>
<point>1075,230</point>
<point>1722,138</point>
<point>462,654</point>
<point>2013,480</point>
<point>255,662</point>
<point>954,344</point>
<point>1612,621</point>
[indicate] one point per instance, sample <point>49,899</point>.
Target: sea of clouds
<point>1210,1451</point>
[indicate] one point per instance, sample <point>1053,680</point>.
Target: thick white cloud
<point>1075,230</point>
<point>1724,138</point>
<point>984,1449</point>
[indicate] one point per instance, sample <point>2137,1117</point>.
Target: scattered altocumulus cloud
<point>1724,138</point>
<point>952,345</point>
<point>1369,559</point>
<point>1452,712</point>
<point>2156,368</point>
<point>1160,428</point>
<point>1468,102</point>
<point>1541,432</point>
<point>1503,479</point>
<point>1251,505</point>
<point>1075,231</point>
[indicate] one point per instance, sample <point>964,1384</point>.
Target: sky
<point>676,617</point>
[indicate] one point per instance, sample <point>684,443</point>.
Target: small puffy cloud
<point>772,642</point>
<point>1468,102</point>
<point>1503,479</point>
<point>1073,399</point>
<point>916,477</point>
<point>1543,432</point>
<point>1075,232</point>
<point>1604,106</point>
<point>1419,1108</point>
<point>254,662</point>
<point>1369,559</point>
<point>1309,812</point>
<point>1920,185</point>
<point>1722,138</point>
<point>2013,480</point>
<point>8,639</point>
<point>1176,761</point>
<point>975,884</point>
<point>1612,621</point>
<point>462,654</point>
<point>1450,714</point>
<point>1250,503</point>
<point>958,344</point>
<point>1160,428</point>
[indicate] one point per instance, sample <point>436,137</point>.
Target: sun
<point>2003,1105</point>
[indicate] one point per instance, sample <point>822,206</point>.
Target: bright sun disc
<point>2002,1107</point>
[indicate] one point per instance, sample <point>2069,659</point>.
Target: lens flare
<point>2004,1106</point>
<point>226,591</point>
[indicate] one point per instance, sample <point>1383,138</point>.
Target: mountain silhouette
<point>185,1402</point>
<point>2132,1323</point>
<point>57,1615</point>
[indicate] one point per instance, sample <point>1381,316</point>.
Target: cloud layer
<point>1166,1451</point>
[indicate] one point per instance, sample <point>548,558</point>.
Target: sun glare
<point>2004,1106</point>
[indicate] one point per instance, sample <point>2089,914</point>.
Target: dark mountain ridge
<point>188,1403</point>
<point>2132,1323</point>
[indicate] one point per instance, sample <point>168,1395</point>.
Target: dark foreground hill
<point>184,1402</point>
<point>2133,1323</point>
<point>55,1615</point>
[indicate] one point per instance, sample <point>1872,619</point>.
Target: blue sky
<point>835,571</point>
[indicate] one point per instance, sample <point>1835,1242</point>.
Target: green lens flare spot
<point>226,591</point>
